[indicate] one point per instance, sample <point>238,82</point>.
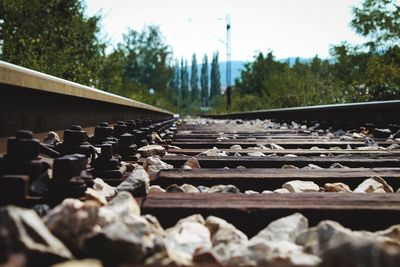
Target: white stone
<point>251,192</point>
<point>223,189</point>
<point>123,204</point>
<point>106,190</point>
<point>290,156</point>
<point>223,232</point>
<point>153,165</point>
<point>298,186</point>
<point>286,228</point>
<point>156,189</point>
<point>276,253</point>
<point>256,154</point>
<point>275,146</point>
<point>374,184</point>
<point>72,220</point>
<point>237,147</point>
<point>188,188</point>
<point>281,191</point>
<point>286,166</point>
<point>187,237</point>
<point>137,183</point>
<point>266,192</point>
<point>97,196</point>
<point>151,150</point>
<point>214,152</point>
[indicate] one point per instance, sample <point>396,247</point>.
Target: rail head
<point>376,112</point>
<point>33,80</point>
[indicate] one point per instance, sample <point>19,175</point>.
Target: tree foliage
<point>204,82</point>
<point>379,21</point>
<point>194,79</point>
<point>52,36</point>
<point>353,73</point>
<point>215,77</point>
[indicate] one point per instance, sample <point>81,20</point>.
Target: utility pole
<point>228,62</point>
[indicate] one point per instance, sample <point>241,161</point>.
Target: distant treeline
<point>353,74</point>
<point>56,37</point>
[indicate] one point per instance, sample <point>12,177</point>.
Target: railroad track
<point>283,154</point>
<point>243,168</point>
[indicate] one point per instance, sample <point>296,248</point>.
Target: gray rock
<point>123,204</point>
<point>28,237</point>
<point>286,228</point>
<point>381,133</point>
<point>151,150</point>
<point>326,235</point>
<point>272,253</point>
<point>153,165</point>
<point>374,184</point>
<point>237,147</point>
<point>137,183</point>
<point>337,187</point>
<point>223,189</point>
<point>362,252</point>
<point>72,221</point>
<point>298,186</point>
<point>127,240</point>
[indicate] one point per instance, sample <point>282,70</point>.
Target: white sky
<point>289,28</point>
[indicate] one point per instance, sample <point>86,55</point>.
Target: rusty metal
<point>22,170</point>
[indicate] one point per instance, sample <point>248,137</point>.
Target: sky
<point>288,28</point>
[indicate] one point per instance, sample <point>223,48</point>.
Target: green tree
<point>379,21</point>
<point>194,79</point>
<point>184,81</point>
<point>52,36</point>
<point>215,78</point>
<point>204,82</point>
<point>147,58</point>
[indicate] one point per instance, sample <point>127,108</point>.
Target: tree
<point>204,82</point>
<point>194,79</point>
<point>147,59</point>
<point>175,82</point>
<point>184,81</point>
<point>379,21</point>
<point>52,36</point>
<point>215,77</point>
